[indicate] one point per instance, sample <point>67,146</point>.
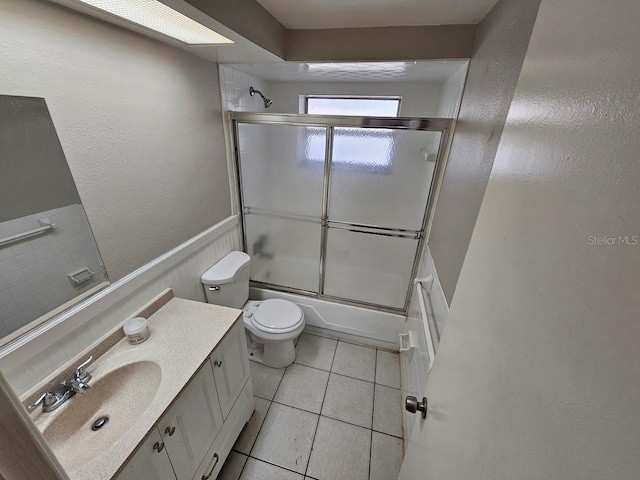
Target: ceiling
<point>425,71</point>
<point>303,14</point>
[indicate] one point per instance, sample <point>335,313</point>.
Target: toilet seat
<point>277,316</point>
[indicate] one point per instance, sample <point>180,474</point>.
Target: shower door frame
<point>330,122</point>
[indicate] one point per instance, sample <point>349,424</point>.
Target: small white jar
<point>137,330</point>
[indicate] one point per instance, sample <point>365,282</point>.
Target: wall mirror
<point>49,259</point>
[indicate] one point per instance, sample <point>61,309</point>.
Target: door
<point>281,180</point>
<point>537,374</point>
<point>335,211</point>
<point>230,362</point>
<point>150,461</point>
<point>380,182</point>
<point>192,423</point>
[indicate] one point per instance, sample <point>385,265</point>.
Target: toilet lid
<point>276,314</point>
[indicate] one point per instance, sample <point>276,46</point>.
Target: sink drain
<point>99,423</point>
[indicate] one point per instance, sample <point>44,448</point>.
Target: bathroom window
<point>353,148</point>
<point>353,106</point>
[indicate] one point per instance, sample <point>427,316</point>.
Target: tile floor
<point>335,414</point>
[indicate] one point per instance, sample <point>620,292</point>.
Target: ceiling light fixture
<point>368,67</point>
<point>160,18</point>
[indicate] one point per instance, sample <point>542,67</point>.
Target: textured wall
<point>501,43</point>
<point>34,175</point>
<point>139,122</point>
<point>537,372</point>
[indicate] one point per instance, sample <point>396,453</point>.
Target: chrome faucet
<point>63,392</point>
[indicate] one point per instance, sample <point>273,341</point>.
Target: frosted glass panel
<point>369,268</point>
<point>284,252</point>
<point>282,167</point>
<point>381,176</point>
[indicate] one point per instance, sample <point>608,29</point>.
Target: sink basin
<point>121,395</point>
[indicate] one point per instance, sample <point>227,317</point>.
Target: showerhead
<point>267,101</point>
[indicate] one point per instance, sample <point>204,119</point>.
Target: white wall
<point>418,99</point>
<point>537,372</point>
<point>139,122</point>
<point>500,47</point>
<point>451,93</point>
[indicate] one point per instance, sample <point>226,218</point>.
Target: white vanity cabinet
<point>230,363</point>
<point>150,461</point>
<point>197,432</point>
<point>192,423</point>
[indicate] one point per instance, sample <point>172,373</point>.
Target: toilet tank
<point>227,282</point>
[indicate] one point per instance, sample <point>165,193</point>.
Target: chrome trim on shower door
<point>438,171</point>
<point>396,123</point>
<point>441,125</point>
<point>326,189</point>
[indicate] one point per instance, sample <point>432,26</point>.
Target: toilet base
<point>274,355</point>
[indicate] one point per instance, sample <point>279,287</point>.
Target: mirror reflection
<point>49,259</point>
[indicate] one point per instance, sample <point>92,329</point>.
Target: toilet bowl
<point>271,325</point>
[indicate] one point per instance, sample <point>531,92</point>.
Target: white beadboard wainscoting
<point>415,364</point>
<point>30,359</point>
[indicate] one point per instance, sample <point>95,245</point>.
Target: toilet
<point>271,325</point>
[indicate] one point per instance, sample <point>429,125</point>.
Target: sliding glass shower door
<point>282,203</point>
<point>379,187</point>
<point>336,207</point>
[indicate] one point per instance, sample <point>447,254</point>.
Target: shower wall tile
<point>33,271</point>
<point>234,94</point>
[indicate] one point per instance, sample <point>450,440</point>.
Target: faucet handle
<point>82,376</point>
<point>46,399</point>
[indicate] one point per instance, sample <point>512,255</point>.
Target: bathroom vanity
<point>175,403</point>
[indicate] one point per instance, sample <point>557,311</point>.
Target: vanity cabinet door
<point>148,463</point>
<point>190,426</point>
<point>230,362</point>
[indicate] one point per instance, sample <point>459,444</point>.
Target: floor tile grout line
<point>373,409</point>
<point>350,342</point>
<point>273,464</point>
<point>263,420</point>
<point>349,376</point>
<point>335,373</point>
<point>313,441</point>
<point>336,419</point>
<point>330,372</point>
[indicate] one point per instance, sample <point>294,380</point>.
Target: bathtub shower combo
<point>334,213</point>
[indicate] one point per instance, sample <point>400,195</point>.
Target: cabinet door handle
<point>170,431</point>
<point>158,446</point>
<point>207,477</point>
<point>218,363</point>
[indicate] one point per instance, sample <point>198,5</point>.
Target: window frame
<point>354,97</point>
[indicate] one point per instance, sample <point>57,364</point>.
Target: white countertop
<point>184,333</point>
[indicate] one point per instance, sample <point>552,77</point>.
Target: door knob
<point>411,404</point>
